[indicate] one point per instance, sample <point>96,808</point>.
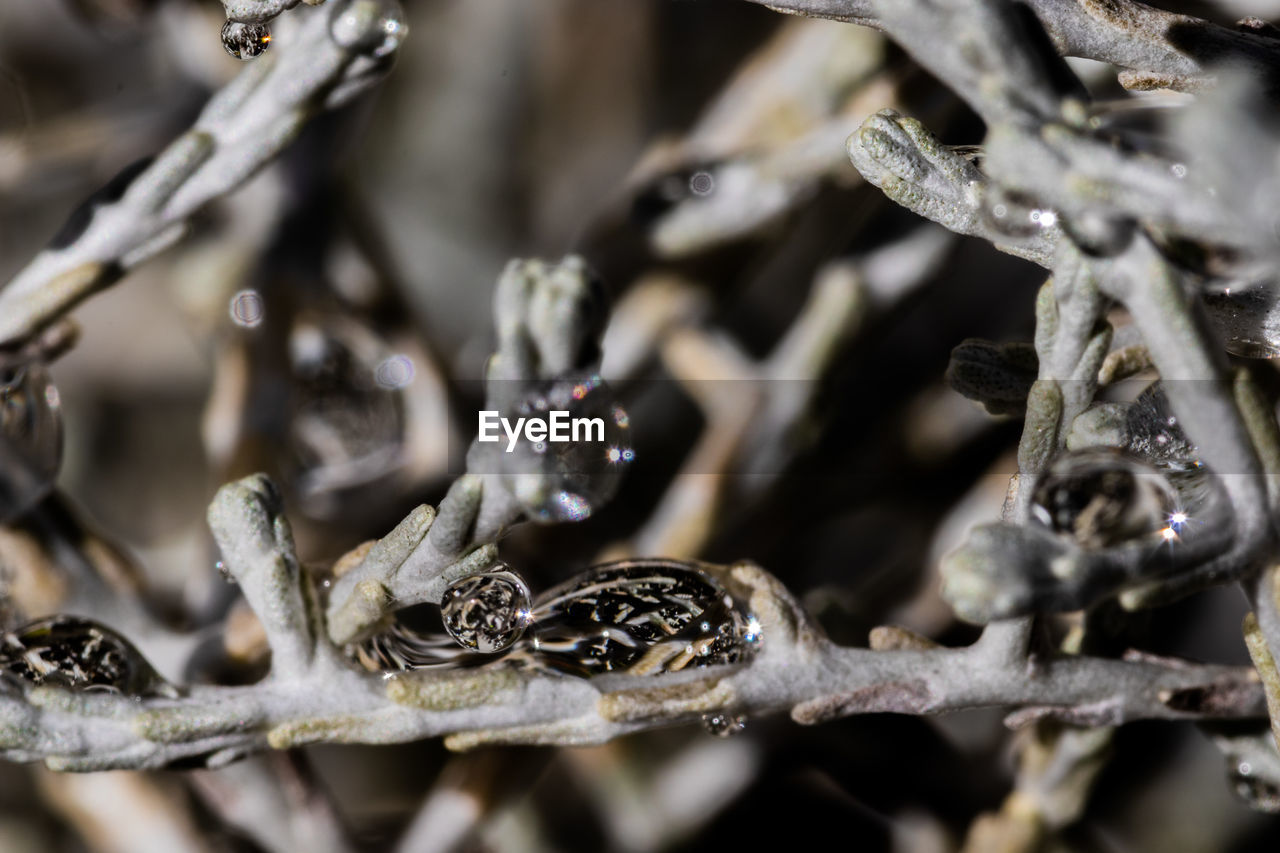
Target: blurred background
<point>780,334</point>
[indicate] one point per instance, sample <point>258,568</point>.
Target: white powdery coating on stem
<point>1122,32</point>
<point>258,11</point>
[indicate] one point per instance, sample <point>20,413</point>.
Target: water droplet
<point>247,309</point>
<point>404,647</point>
<point>1152,432</point>
<point>30,438</point>
<point>488,612</point>
<point>225,572</point>
<point>77,654</point>
<point>1247,318</point>
<point>1101,497</point>
<point>641,617</point>
<point>347,421</point>
<point>245,41</point>
<point>374,27</point>
<point>571,507</point>
<point>1261,794</point>
<point>568,480</point>
<point>722,724</point>
<point>394,372</point>
<point>702,183</point>
<point>1044,218</point>
<point>1013,215</point>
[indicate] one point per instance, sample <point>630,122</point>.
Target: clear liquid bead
<point>558,481</point>
<point>1102,498</point>
<point>346,423</point>
<point>639,617</point>
<point>245,41</point>
<point>372,27</point>
<point>487,613</point>
<point>1014,216</point>
<point>77,654</point>
<point>30,438</point>
<point>1247,318</point>
<point>723,724</point>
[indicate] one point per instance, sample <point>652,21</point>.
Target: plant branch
<point>145,208</point>
<point>1158,48</point>
<point>797,669</point>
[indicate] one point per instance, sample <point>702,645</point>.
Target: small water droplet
<point>374,27</point>
<point>245,41</point>
<point>723,724</point>
<point>488,612</point>
<point>571,507</point>
<point>1259,793</point>
<point>1102,498</point>
<point>247,309</point>
<point>394,372</point>
<point>77,654</point>
<point>1044,218</point>
<point>225,572</point>
<point>1013,215</point>
<point>30,438</point>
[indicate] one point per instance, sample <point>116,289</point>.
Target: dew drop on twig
<point>77,654</point>
<point>30,438</point>
<point>487,613</point>
<point>558,481</point>
<point>1102,498</point>
<point>723,724</point>
<point>245,41</point>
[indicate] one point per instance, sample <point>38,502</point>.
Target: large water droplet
<point>1247,318</point>
<point>1101,498</point>
<point>488,612</point>
<point>1153,433</point>
<point>30,438</point>
<point>723,724</point>
<point>374,27</point>
<point>347,422</point>
<point>573,472</point>
<point>245,41</point>
<point>77,654</point>
<point>642,617</point>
